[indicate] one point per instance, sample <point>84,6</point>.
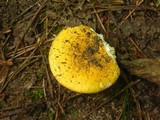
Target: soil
<point>29,91</point>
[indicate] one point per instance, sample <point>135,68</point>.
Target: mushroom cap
<point>82,61</point>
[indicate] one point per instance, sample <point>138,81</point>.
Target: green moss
<point>40,73</point>
<point>1,104</point>
<point>75,114</point>
<point>27,77</point>
<point>51,115</point>
<point>126,106</point>
<point>157,3</point>
<point>111,27</point>
<point>47,23</point>
<point>35,94</point>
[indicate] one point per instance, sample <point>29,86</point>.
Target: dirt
<point>29,91</point>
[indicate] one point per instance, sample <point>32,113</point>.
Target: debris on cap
<point>82,61</point>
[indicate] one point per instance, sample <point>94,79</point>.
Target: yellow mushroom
<point>82,61</point>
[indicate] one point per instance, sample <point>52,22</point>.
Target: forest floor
<point>28,90</point>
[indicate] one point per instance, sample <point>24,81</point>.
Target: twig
<point>127,78</point>
<point>25,11</point>
<point>130,13</point>
<point>21,51</point>
<point>99,20</point>
<point>104,103</point>
<point>22,66</point>
<point>4,68</point>
<point>14,111</point>
<point>137,47</point>
<point>44,59</point>
<point>58,17</point>
<point>27,28</point>
<point>32,20</point>
<point>116,8</point>
<point>6,40</point>
<point>16,48</point>
<point>138,107</point>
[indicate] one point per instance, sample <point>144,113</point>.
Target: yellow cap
<point>82,61</point>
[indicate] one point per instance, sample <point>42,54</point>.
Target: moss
<point>1,104</point>
<point>40,73</point>
<point>35,94</point>
<point>51,115</point>
<point>126,108</point>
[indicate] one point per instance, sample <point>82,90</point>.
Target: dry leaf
<point>145,68</point>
